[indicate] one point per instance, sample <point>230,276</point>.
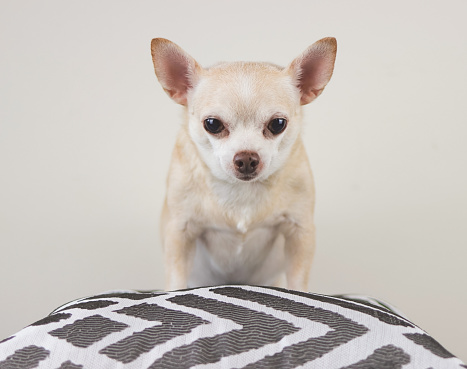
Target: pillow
<point>224,327</point>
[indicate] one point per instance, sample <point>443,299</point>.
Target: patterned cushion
<point>224,327</point>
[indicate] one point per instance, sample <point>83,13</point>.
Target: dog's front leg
<point>299,252</point>
<point>179,247</point>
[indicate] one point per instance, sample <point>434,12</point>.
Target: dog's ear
<point>312,70</point>
<point>177,71</point>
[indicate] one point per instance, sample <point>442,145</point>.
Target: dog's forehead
<point>246,88</point>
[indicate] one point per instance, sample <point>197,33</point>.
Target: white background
<point>86,135</point>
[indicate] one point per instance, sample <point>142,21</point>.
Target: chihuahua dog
<point>240,192</point>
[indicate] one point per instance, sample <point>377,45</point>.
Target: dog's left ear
<point>313,69</point>
<point>177,71</point>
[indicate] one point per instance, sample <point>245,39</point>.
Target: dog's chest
<point>236,235</point>
<point>246,253</point>
<point>240,242</point>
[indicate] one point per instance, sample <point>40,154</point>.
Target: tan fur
<point>242,231</point>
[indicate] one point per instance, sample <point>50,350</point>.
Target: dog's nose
<point>246,162</point>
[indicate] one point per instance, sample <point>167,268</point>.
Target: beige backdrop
<point>86,134</point>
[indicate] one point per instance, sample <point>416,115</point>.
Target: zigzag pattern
<point>225,326</point>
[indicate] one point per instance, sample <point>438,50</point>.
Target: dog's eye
<point>213,125</point>
<point>277,125</point>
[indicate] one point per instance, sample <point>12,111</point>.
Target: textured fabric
<point>224,327</point>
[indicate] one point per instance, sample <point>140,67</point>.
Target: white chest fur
<point>247,250</point>
<point>229,256</point>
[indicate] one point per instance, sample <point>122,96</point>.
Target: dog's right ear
<point>177,71</point>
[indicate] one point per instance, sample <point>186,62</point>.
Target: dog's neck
<point>242,202</point>
<point>239,194</point>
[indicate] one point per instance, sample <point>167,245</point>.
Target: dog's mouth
<point>246,177</point>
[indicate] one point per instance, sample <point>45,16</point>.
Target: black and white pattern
<point>224,327</point>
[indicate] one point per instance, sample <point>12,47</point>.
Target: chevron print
<point>85,332</point>
<point>224,327</point>
<point>27,357</point>
<point>342,329</point>
<point>257,330</point>
<point>174,323</point>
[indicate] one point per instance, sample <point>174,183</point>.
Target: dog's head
<point>244,117</point>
